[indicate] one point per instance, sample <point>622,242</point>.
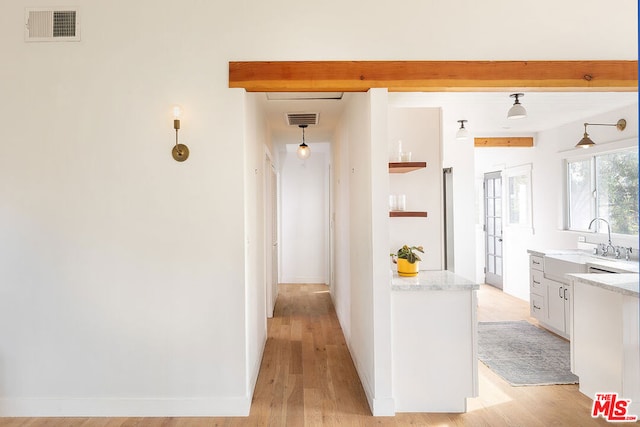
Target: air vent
<point>295,119</point>
<point>42,25</point>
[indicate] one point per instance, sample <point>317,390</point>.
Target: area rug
<point>523,354</point>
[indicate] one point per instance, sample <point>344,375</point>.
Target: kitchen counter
<point>605,347</point>
<point>544,252</point>
<point>434,336</point>
<point>586,258</point>
<point>626,283</point>
<point>432,280</point>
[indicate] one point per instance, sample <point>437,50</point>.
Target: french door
<point>493,228</point>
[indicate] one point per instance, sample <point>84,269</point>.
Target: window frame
<point>601,150</point>
<point>515,172</point>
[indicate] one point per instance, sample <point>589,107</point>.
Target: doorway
<point>271,233</point>
<point>493,228</point>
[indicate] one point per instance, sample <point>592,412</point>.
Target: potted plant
<point>408,261</point>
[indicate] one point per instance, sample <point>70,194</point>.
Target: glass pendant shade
<point>303,151</point>
<point>517,111</point>
<point>463,133</point>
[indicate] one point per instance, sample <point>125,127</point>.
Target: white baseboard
<point>383,407</point>
<point>126,407</point>
<point>380,407</point>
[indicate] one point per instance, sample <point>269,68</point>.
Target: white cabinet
<point>538,291</point>
<point>559,307</point>
<point>605,347</point>
<point>549,299</point>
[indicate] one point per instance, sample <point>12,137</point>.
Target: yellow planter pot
<point>406,269</point>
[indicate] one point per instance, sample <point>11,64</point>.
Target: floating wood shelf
<point>404,167</point>
<point>407,214</point>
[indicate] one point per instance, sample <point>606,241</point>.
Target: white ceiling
<point>486,112</point>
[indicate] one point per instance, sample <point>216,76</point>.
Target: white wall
<point>123,273</point>
<point>419,131</point>
<point>305,217</point>
<point>551,147</point>
<point>256,141</point>
<point>361,202</point>
<point>341,282</point>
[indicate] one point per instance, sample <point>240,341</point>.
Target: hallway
<point>307,378</point>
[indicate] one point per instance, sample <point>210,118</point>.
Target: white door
<point>493,228</point>
<point>271,235</point>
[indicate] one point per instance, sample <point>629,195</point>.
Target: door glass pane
<point>490,209</point>
<point>498,207</point>
<point>491,245</point>
<point>490,188</point>
<point>490,227</point>
<point>498,248</point>
<point>499,266</point>
<point>498,226</point>
<point>491,264</point>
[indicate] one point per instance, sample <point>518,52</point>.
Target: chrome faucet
<point>605,249</point>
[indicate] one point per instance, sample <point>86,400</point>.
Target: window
<point>606,186</point>
<point>519,196</point>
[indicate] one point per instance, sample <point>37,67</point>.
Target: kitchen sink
<point>556,266</point>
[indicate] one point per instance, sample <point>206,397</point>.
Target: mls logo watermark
<point>611,408</point>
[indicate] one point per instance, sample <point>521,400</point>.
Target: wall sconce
<point>303,150</point>
<point>586,142</point>
<point>463,133</point>
<point>180,152</point>
<point>517,111</point>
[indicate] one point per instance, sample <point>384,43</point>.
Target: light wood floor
<point>307,378</point>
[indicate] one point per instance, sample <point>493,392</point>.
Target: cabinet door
<point>555,304</point>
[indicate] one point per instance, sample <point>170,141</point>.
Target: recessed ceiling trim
<point>303,96</point>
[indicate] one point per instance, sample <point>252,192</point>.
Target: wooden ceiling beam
<point>523,141</point>
<point>434,76</point>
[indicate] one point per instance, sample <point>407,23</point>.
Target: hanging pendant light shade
<point>303,151</point>
<point>463,133</point>
<point>517,111</point>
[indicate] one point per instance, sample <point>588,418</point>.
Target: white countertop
<point>543,252</point>
<point>432,280</point>
<point>625,283</point>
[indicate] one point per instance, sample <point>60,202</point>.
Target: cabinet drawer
<point>537,306</point>
<point>536,282</point>
<point>535,262</point>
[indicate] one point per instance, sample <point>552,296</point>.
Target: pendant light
<point>516,111</point>
<point>303,150</point>
<point>463,133</point>
<point>587,142</point>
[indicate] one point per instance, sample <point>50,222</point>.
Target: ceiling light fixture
<point>303,150</point>
<point>463,133</point>
<point>516,111</point>
<point>586,142</point>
